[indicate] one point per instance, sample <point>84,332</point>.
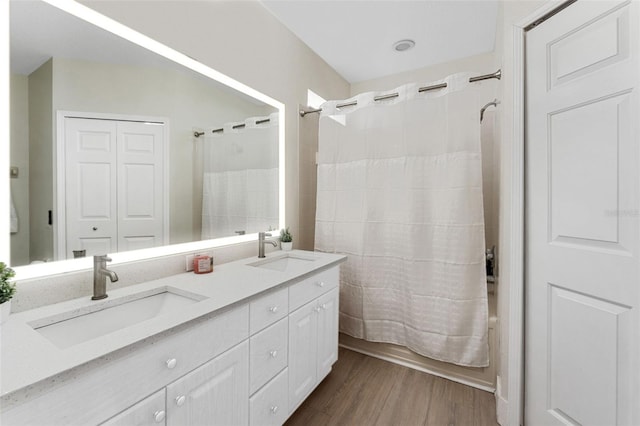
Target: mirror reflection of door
<point>103,73</point>
<point>114,186</point>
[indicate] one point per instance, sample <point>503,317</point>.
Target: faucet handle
<point>102,258</point>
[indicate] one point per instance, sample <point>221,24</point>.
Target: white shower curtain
<point>240,181</point>
<point>400,193</point>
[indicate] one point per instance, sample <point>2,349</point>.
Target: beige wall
<point>20,158</point>
<point>308,174</point>
<point>482,64</point>
<point>41,165</point>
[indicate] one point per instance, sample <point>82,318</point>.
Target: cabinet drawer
<point>312,287</point>
<point>148,412</point>
<point>268,309</point>
<point>269,354</point>
<point>193,344</point>
<point>139,369</point>
<point>269,405</point>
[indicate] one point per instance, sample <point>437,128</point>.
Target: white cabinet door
<point>303,343</point>
<point>216,393</point>
<point>327,332</point>
<point>148,412</point>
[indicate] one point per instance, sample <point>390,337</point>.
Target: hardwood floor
<point>367,391</point>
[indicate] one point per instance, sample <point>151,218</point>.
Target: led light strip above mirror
<point>91,16</point>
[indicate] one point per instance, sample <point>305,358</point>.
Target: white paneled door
<point>140,187</point>
<point>582,327</point>
<point>114,185</point>
<point>90,186</point>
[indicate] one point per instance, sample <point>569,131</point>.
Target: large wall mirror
<point>122,145</point>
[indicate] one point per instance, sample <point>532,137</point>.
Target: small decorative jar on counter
<point>203,264</point>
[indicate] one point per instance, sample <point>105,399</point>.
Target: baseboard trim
<point>502,405</point>
<point>405,363</point>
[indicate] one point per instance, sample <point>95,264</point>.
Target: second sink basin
<point>282,263</point>
<point>82,325</point>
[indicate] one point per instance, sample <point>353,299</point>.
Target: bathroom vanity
<point>245,344</point>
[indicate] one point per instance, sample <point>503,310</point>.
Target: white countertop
<point>27,358</point>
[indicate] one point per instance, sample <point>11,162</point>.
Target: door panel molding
<point>59,168</point>
<point>582,260</point>
<point>510,407</point>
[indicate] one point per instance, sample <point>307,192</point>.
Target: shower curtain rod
<point>497,74</point>
<point>494,103</point>
<point>237,126</point>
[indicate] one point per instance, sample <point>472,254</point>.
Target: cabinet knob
<point>181,400</point>
<point>317,309</point>
<point>273,354</point>
<point>274,409</point>
<point>95,228</point>
<point>324,306</point>
<point>158,416</point>
<point>320,283</point>
<point>171,363</point>
<point>273,309</point>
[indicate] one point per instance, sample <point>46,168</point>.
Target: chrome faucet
<point>262,241</point>
<point>100,274</point>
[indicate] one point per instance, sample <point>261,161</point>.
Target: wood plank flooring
<point>367,391</point>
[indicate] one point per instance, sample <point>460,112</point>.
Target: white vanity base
<point>253,361</point>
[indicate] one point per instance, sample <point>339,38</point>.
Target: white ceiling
<point>40,31</point>
<point>356,37</point>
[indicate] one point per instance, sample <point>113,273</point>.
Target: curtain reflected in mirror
<point>240,178</point>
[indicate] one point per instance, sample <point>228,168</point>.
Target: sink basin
<point>282,263</point>
<point>78,326</point>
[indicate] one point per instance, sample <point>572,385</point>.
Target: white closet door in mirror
<point>140,186</point>
<point>115,186</point>
<point>90,186</point>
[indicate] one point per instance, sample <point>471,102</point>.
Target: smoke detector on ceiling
<point>403,45</point>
